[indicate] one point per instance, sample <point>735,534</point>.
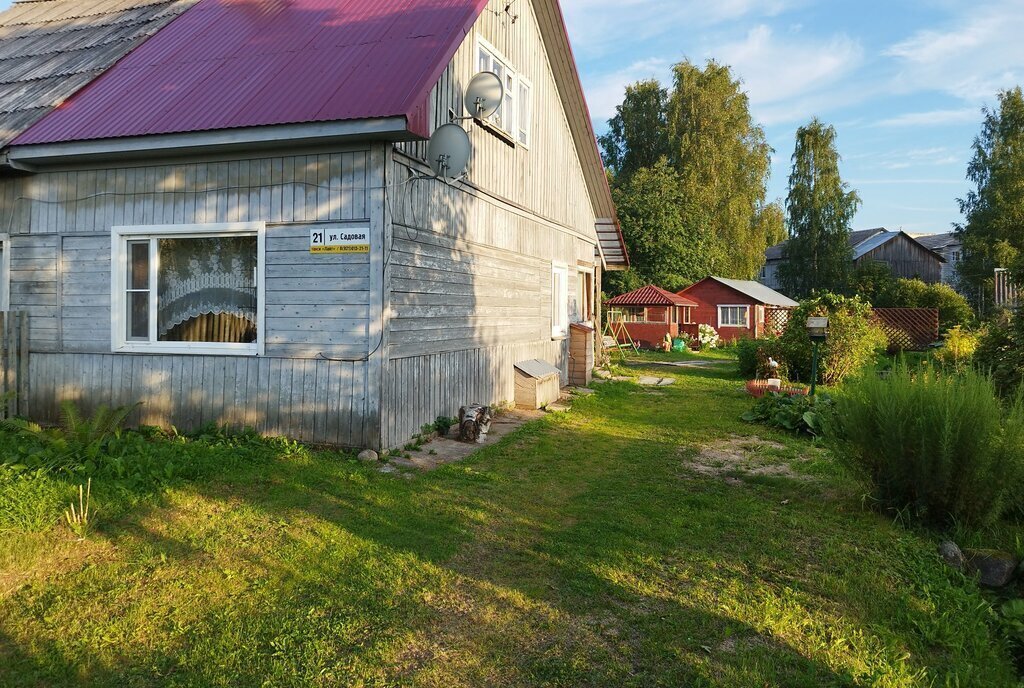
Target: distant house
<point>224,209</point>
<point>947,245</point>
<point>648,314</point>
<point>736,308</point>
<point>905,255</point>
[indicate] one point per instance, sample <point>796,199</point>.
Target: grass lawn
<point>599,547</point>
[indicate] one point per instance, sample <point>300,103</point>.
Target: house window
<point>559,300</point>
<point>525,111</point>
<point>188,289</point>
<point>514,115</point>
<point>5,273</point>
<point>734,316</point>
<point>584,296</point>
<point>687,315</point>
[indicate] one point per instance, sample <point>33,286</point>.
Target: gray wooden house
<point>906,256</point>
<point>222,209</point>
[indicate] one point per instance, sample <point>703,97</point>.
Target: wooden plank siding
<point>317,307</point>
<point>471,264</point>
<point>907,259</point>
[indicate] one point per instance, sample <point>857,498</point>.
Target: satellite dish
<point>484,95</point>
<point>448,151</point>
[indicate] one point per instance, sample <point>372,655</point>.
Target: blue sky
<point>902,82</point>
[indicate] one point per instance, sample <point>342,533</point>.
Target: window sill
<point>497,132</point>
<point>189,350</point>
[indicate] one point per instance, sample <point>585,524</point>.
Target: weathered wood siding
<point>317,307</point>
<point>907,259</point>
<point>471,263</point>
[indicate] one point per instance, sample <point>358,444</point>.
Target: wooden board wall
<point>470,270</point>
<point>316,306</point>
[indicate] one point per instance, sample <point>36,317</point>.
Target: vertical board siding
<point>306,399</point>
<point>317,307</point>
<point>547,176</point>
<point>470,267</point>
<point>419,389</point>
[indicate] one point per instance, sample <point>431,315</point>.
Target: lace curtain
<point>206,289</point>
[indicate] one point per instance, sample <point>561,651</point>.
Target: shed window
<point>734,316</point>
<point>525,114</point>
<point>188,288</point>
<point>559,300</point>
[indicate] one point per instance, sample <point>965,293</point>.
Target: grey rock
<point>951,554</point>
<point>994,568</point>
<point>368,455</point>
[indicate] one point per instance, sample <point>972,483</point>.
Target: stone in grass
<point>951,554</point>
<point>368,455</point>
<point>994,568</point>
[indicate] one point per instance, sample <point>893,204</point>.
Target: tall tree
<point>820,206</point>
<point>993,234</point>
<point>637,135</point>
<point>667,234</point>
<point>723,160</point>
<point>771,223</point>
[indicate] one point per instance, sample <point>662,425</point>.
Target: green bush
<point>939,446</point>
<point>874,282</point>
<point>1000,352</point>
<point>746,356</point>
<point>853,339</point>
<point>957,349</point>
<point>798,413</point>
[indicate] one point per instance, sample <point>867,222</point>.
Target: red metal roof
<point>650,296</point>
<point>225,64</point>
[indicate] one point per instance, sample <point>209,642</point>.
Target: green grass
<point>584,549</point>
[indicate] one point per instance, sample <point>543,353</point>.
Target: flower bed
<point>758,388</point>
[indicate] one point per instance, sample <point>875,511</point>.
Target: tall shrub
<point>853,339</point>
<point>1000,352</point>
<point>939,445</point>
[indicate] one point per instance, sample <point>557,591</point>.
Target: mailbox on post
<point>817,330</point>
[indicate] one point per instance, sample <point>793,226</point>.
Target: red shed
<point>735,308</point>
<point>649,313</point>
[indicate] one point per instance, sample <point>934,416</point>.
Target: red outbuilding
<point>736,308</point>
<point>648,314</point>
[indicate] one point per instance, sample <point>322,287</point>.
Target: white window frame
<point>524,110</point>
<point>5,273</point>
<point>120,236</point>
<point>586,315</point>
<point>559,301</point>
<point>746,316</point>
<point>510,122</point>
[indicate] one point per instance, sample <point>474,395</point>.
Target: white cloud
<point>598,26</point>
<point>789,76</point>
<point>966,115</point>
<point>980,53</point>
<point>606,91</point>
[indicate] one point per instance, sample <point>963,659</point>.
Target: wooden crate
<point>538,384</point>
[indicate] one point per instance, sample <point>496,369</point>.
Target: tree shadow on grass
<point>563,555</point>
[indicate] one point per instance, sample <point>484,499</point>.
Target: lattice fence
<point>909,329</point>
<point>776,319</point>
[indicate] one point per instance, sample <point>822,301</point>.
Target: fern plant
<point>76,444</point>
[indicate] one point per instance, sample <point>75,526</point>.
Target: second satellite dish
<point>448,151</point>
<point>484,95</point>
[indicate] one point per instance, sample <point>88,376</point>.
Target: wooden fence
<point>775,319</point>
<point>909,329</point>
<point>14,387</point>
